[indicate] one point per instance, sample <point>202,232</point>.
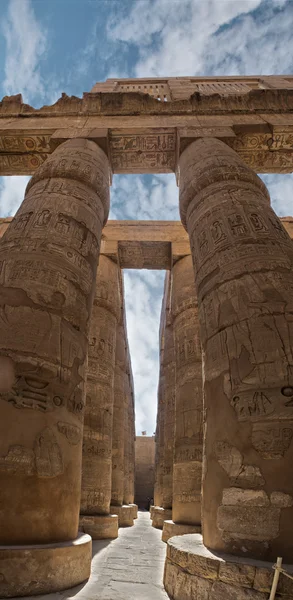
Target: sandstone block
<point>44,569</point>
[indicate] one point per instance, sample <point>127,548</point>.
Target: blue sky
<point>52,46</point>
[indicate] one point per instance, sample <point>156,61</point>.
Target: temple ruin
<point>223,491</point>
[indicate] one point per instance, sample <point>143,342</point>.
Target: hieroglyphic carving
<point>243,264</point>
<point>17,143</point>
<point>49,257</point>
<point>271,440</point>
<point>144,255</point>
<point>231,460</point>
<point>71,432</point>
<point>45,460</point>
<point>143,153</point>
<point>21,164</point>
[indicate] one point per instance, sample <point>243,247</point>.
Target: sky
<point>52,46</point>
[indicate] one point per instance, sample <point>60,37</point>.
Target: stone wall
<point>144,469</point>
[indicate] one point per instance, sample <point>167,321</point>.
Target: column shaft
<point>187,474</point>
<point>98,421</point>
<point>49,258</point>
<point>243,264</point>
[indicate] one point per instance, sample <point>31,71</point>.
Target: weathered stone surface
<point>125,514</point>
<point>97,433</point>
<point>170,529</point>
<point>163,492</point>
<point>187,471</point>
<point>222,591</point>
<point>237,496</point>
<point>159,516</point>
<point>144,470</point>
<point>99,527</point>
<point>43,569</point>
<point>118,419</point>
<point>226,576</point>
<point>52,243</point>
<point>243,262</point>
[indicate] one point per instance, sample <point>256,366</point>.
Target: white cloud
<point>151,197</point>
<point>26,43</point>
<point>192,37</point>
<point>281,192</point>
<point>143,298</point>
<point>12,191</point>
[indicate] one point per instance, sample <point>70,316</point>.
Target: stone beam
<point>144,124</point>
<point>146,244</point>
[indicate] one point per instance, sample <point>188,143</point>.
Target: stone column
<point>120,434</point>
<point>168,365</point>
<point>243,261</point>
<point>97,434</point>
<point>187,471</point>
<point>49,257</point>
<point>160,513</point>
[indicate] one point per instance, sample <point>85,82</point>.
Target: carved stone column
<point>97,434</point>
<point>168,364</point>
<point>162,509</point>
<point>49,257</point>
<point>120,427</point>
<point>187,470</point>
<point>243,261</point>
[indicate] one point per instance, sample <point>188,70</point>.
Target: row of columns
<point>66,393</point>
<point>242,261</point>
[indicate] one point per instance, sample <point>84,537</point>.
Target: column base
<point>170,529</point>
<point>134,509</point>
<point>193,571</point>
<point>124,513</point>
<point>160,515</point>
<point>44,569</point>
<point>151,511</point>
<point>99,527</point>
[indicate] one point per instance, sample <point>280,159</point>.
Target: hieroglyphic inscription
<point>271,440</point>
<point>143,153</point>
<point>21,164</point>
<point>44,460</point>
<point>17,143</point>
<point>144,255</point>
<point>231,460</point>
<point>71,432</point>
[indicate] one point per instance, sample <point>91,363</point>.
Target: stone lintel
<point>144,124</point>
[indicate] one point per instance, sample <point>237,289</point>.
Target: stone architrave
<point>243,261</point>
<point>49,256</point>
<point>187,471</point>
<point>98,419</point>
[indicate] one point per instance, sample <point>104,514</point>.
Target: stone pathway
<point>128,568</point>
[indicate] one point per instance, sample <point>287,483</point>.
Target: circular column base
<point>134,509</point>
<point>151,511</point>
<point>193,571</point>
<point>170,529</point>
<point>160,515</point>
<point>124,513</point>
<point>44,569</point>
<point>99,527</point>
